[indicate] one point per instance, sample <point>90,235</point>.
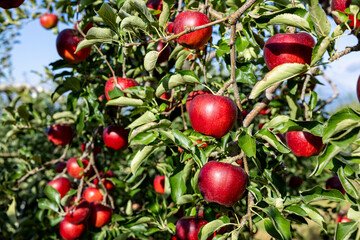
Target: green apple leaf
<point>178,185</point>
<point>132,23</point>
<point>164,123</point>
<point>347,184</point>
<point>317,194</point>
<point>52,194</point>
<point>184,199</point>
<point>280,223</point>
<point>320,49</point>
<point>45,203</point>
<point>209,229</point>
<point>344,230</point>
<point>296,209</point>
<point>270,229</point>
<point>314,215</point>
<point>273,140</point>
<point>125,101</point>
<point>147,117</point>
<point>291,20</point>
<point>247,144</point>
<point>141,8</point>
<point>179,79</point>
<point>140,157</point>
<point>150,60</point>
<point>319,18</point>
<point>165,13</point>
<point>108,14</point>
<point>324,159</point>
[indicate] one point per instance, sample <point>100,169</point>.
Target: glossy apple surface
<point>288,48</point>
<point>7,4</point>
<point>116,137</point>
<point>192,95</point>
<point>222,183</point>
<point>49,20</point>
<point>70,231</point>
<point>61,184</point>
<point>195,39</point>
<point>165,51</point>
<point>92,194</point>
<point>79,213</point>
<point>159,184</point>
<point>105,178</point>
<point>156,5</point>
<point>341,5</point>
<point>121,83</point>
<point>66,44</point>
<point>187,228</point>
<point>334,183</point>
<point>76,171</point>
<point>212,115</point>
<point>100,215</point>
<point>295,182</point>
<point>304,144</point>
<point>60,134</point>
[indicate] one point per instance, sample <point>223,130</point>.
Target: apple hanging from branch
<point>304,144</point>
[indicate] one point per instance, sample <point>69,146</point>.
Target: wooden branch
<point>335,95</point>
<point>346,51</point>
<point>302,98</point>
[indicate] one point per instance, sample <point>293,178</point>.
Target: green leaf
<point>323,160</point>
<point>280,223</point>
<point>314,215</point>
<point>101,33</point>
<point>164,123</point>
<point>347,184</point>
<point>245,74</point>
<point>181,139</point>
<point>272,139</point>
<point>179,79</point>
<point>178,185</point>
<point>87,43</point>
<point>320,49</point>
<point>209,229</point>
<point>45,203</point>
<point>53,194</point>
<point>181,57</point>
<point>150,60</point>
<point>344,230</point>
<point>247,144</point>
<point>147,117</point>
<point>141,8</point>
<point>291,20</point>
<point>255,192</point>
<point>296,209</point>
<point>184,199</point>
<point>133,23</point>
<point>23,112</point>
<point>145,138</point>
<point>140,157</point>
<point>73,84</point>
<point>270,228</point>
<point>108,14</point>
<point>165,12</point>
<point>241,43</point>
<point>317,193</point>
<point>125,101</point>
<point>276,75</point>
<point>319,18</point>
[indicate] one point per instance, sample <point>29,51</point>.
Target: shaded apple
<point>121,83</point>
<point>304,144</point>
<point>116,137</point>
<point>334,183</point>
<point>165,51</point>
<point>49,20</point>
<point>60,167</point>
<point>61,184</point>
<point>7,4</point>
<point>100,215</point>
<point>192,95</point>
<point>195,39</point>
<point>60,134</point>
<point>222,183</point>
<point>169,28</point>
<point>105,179</point>
<point>159,184</point>
<point>70,231</point>
<point>75,170</point>
<point>288,48</point>
<point>341,5</point>
<point>155,5</point>
<point>76,214</point>
<point>212,115</point>
<point>187,228</point>
<point>92,194</point>
<point>295,182</point>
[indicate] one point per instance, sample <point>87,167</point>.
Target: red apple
<point>288,48</point>
<point>70,231</point>
<point>192,95</point>
<point>155,5</point>
<point>304,144</point>
<point>66,44</point>
<point>187,228</point>
<point>212,115</point>
<point>76,171</point>
<point>107,183</point>
<point>60,167</point>
<point>195,39</point>
<point>7,4</point>
<point>100,215</point>
<point>159,184</point>
<point>60,134</point>
<point>76,214</point>
<point>222,183</point>
<point>61,184</point>
<point>121,83</point>
<point>334,183</point>
<point>169,28</point>
<point>265,111</point>
<point>295,182</point>
<point>166,96</point>
<point>342,218</point>
<point>92,194</point>
<point>48,20</point>
<point>358,89</point>
<point>96,150</point>
<point>164,55</point>
<point>116,137</point>
<point>341,5</point>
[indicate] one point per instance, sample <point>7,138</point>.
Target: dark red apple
<point>70,231</point>
<point>156,5</point>
<point>304,144</point>
<point>358,89</point>
<point>49,20</point>
<point>76,171</point>
<point>159,184</point>
<point>165,53</point>
<point>116,137</point>
<point>288,48</point>
<point>192,95</point>
<point>66,44</point>
<point>92,194</point>
<point>341,5</point>
<point>121,83</point>
<point>295,182</point>
<point>342,219</point>
<point>105,179</point>
<point>222,183</point>
<point>212,115</point>
<point>76,214</point>
<point>187,228</point>
<point>100,215</point>
<point>195,39</point>
<point>96,150</point>
<point>7,4</point>
<point>60,167</point>
<point>60,134</point>
<point>334,183</point>
<point>61,184</point>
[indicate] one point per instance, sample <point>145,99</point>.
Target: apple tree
<point>180,120</point>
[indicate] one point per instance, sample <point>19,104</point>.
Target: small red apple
<point>169,28</point>
<point>121,83</point>
<point>60,134</point>
<point>212,115</point>
<point>70,231</point>
<point>116,137</point>
<point>295,182</point>
<point>192,95</point>
<point>76,171</point>
<point>100,215</point>
<point>288,48</point>
<point>187,228</point>
<point>195,39</point>
<point>7,4</point>
<point>107,183</point>
<point>66,44</point>
<point>96,150</point>
<point>60,167</point>
<point>342,219</point>
<point>164,55</point>
<point>156,5</point>
<point>358,89</point>
<point>334,183</point>
<point>341,5</point>
<point>92,194</point>
<point>159,184</point>
<point>49,20</point>
<point>61,184</point>
<point>304,144</point>
<point>76,214</point>
<point>222,183</point>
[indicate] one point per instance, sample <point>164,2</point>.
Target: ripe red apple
<point>96,150</point>
<point>159,184</point>
<point>60,134</point>
<point>304,144</point>
<point>107,183</point>
<point>187,228</point>
<point>121,83</point>
<point>288,48</point>
<point>334,183</point>
<point>169,28</point>
<point>7,4</point>
<point>66,44</point>
<point>222,183</point>
<point>116,137</point>
<point>192,95</point>
<point>295,182</point>
<point>164,55</point>
<point>76,171</point>
<point>48,20</point>
<point>358,89</point>
<point>342,218</point>
<point>92,194</point>
<point>195,39</point>
<point>212,115</point>
<point>76,214</point>
<point>70,231</point>
<point>156,5</point>
<point>60,167</point>
<point>341,5</point>
<point>100,215</point>
<point>61,184</point>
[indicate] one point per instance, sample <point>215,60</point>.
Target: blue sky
<point>36,49</point>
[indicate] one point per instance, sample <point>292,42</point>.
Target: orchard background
<point>296,187</point>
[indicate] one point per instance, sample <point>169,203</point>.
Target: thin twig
<point>183,117</point>
<point>233,66</point>
<point>346,51</point>
<point>335,95</point>
<point>302,98</point>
